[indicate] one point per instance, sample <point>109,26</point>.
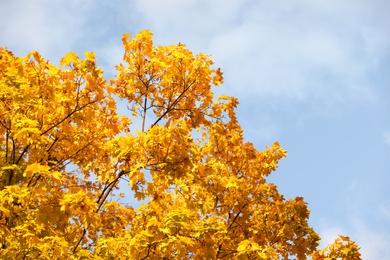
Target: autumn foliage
<point>72,164</point>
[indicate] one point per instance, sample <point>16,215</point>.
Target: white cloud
<point>384,211</point>
<point>301,50</point>
<point>328,235</point>
<point>297,50</point>
<point>373,243</point>
<point>51,27</point>
<point>372,236</point>
<point>111,55</point>
<point>296,55</point>
<point>190,17</point>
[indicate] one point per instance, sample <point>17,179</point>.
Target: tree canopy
<point>66,151</point>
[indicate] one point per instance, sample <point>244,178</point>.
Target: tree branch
<point>170,107</point>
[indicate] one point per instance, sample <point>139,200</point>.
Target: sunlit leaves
<point>52,117</point>
<point>167,80</point>
<point>342,248</point>
<point>65,151</point>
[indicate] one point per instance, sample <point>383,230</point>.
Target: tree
<point>64,150</point>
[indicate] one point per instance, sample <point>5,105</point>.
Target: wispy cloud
<point>301,50</point>
<point>371,233</point>
<point>373,242</point>
<point>328,234</point>
<point>51,27</point>
<point>386,137</point>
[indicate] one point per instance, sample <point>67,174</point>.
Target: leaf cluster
<point>65,151</point>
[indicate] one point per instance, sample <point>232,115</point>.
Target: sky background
<point>313,75</point>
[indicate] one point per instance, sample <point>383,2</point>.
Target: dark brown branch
<point>173,104</point>
<point>234,220</point>
<point>102,198</point>
<point>6,146</point>
<point>76,109</point>
<point>145,109</point>
<point>1,123</point>
<point>21,155</point>
<point>80,239</point>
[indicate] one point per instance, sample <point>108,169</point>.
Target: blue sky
<point>313,75</point>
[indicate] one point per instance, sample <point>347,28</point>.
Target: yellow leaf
<point>90,55</point>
